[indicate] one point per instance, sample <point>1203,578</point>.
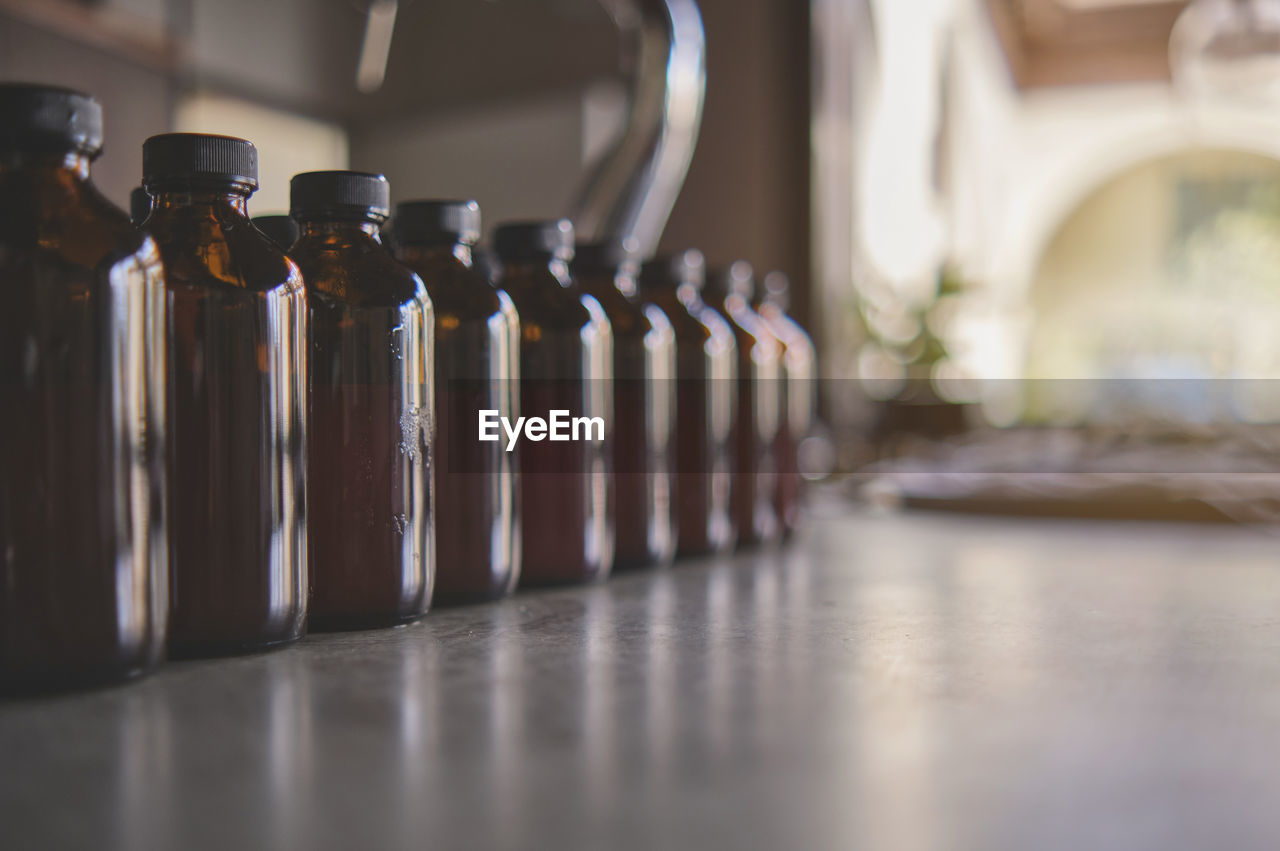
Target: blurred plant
<point>907,367</point>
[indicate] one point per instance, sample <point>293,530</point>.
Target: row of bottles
<point>221,432</point>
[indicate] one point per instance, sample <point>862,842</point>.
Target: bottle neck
<point>621,280</point>
<point>601,280</point>
<point>232,198</point>
<point>530,268</point>
<point>435,252</point>
<point>713,297</point>
<point>669,298</point>
<point>54,167</point>
<point>340,230</point>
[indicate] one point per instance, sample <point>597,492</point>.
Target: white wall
<point>287,143</point>
<point>520,161</point>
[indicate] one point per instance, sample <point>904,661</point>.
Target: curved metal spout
<point>628,197</point>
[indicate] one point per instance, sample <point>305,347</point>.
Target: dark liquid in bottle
<point>237,389</point>
<point>82,531</point>
<point>754,480</point>
<point>369,507</point>
<point>477,350</point>
<point>644,352</point>
<point>565,364</point>
<point>706,389</point>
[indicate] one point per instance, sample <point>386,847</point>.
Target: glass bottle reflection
<point>797,392</point>
<point>754,480</point>
<point>370,541</point>
<point>643,418</point>
<point>477,367</point>
<point>566,363</point>
<point>706,394</point>
<point>82,528</point>
<point>237,387</point>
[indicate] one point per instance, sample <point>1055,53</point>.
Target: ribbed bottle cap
<point>674,270</point>
<point>736,279</point>
<point>435,222</point>
<point>139,205</point>
<point>48,118</point>
<point>605,257</point>
<point>339,194</point>
<point>282,230</point>
<point>200,157</point>
<point>519,241</point>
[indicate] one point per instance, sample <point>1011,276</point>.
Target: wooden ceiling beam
<point>1059,43</point>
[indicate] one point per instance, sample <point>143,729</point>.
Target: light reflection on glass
<point>599,703</point>
<point>507,734</point>
<point>660,681</point>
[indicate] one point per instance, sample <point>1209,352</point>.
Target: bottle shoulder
<point>657,320</point>
<point>459,292</point>
<point>787,329</point>
<point>547,304</point>
<point>357,274</point>
<point>203,249</point>
<point>628,317</point>
<point>69,225</point>
<point>750,331</point>
<point>684,319</point>
<point>714,321</point>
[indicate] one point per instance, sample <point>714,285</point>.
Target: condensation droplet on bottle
<point>410,426</point>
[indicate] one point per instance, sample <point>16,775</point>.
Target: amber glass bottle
<point>477,367</point>
<point>369,475</point>
<point>756,422</point>
<point>566,364</point>
<point>82,433</point>
<point>798,377</point>
<point>282,230</point>
<point>237,393</point>
<point>644,363</point>
<point>706,392</point>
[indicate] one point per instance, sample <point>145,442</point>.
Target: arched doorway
<point>1169,269</point>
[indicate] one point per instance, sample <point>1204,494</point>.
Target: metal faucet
<point>628,196</point>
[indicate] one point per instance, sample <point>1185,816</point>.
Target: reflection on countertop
<point>896,681</point>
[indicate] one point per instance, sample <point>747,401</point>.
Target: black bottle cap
<point>139,205</point>
<point>199,157</point>
<point>609,257</point>
<point>775,288</point>
<point>280,229</point>
<point>687,267</point>
<point>339,194</point>
<point>49,118</point>
<point>436,222</point>
<point>736,279</point>
<point>522,241</point>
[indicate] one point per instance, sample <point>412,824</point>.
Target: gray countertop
<point>899,682</point>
